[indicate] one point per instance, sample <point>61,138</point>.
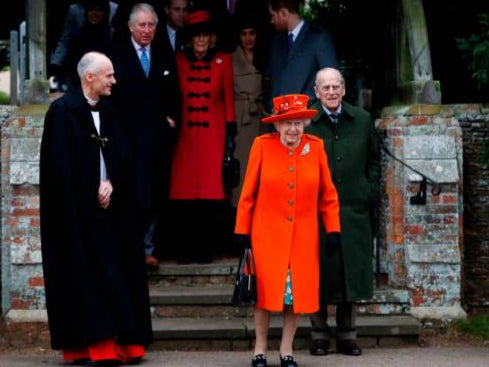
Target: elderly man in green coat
<point>353,155</point>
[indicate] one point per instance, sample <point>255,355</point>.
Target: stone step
<point>192,309</point>
<point>214,300</point>
<point>212,333</point>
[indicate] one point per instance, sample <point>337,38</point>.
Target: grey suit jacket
<point>295,72</point>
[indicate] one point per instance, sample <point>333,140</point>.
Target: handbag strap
<point>241,265</point>
<point>250,261</point>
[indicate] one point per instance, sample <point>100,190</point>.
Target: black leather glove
<point>231,131</point>
<point>242,240</point>
<point>333,243</point>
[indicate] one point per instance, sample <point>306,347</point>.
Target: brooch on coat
<point>306,149</point>
<point>218,61</point>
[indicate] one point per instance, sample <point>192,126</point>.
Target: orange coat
<point>283,193</point>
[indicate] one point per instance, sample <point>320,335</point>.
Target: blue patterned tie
<point>144,61</point>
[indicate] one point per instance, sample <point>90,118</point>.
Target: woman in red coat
<point>286,186</point>
<point>208,121</point>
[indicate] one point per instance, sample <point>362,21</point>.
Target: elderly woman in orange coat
<point>286,186</point>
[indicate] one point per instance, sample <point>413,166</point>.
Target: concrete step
<point>192,310</point>
<point>214,300</point>
<point>216,333</point>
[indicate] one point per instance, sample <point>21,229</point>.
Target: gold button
<point>290,218</point>
<point>291,185</point>
<point>291,153</point>
<point>291,169</point>
<point>291,202</point>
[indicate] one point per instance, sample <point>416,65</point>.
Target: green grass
<point>476,325</point>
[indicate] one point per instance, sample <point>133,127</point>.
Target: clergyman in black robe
<point>94,268</point>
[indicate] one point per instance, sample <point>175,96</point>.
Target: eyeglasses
<point>334,87</point>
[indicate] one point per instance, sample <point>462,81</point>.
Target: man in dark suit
<point>292,66</point>
<point>175,11</point>
<point>121,16</point>
<point>148,108</point>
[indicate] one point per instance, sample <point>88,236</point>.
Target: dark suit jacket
<point>165,43</point>
<point>143,104</point>
<point>295,72</point>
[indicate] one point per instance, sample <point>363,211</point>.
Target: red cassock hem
<point>106,350</point>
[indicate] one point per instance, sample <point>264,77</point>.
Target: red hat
<point>290,106</point>
<point>197,22</point>
<point>195,17</point>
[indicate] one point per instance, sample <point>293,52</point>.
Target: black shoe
<point>348,347</point>
<point>287,361</point>
<point>259,361</point>
<point>319,347</point>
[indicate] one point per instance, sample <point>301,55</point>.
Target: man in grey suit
<point>292,66</point>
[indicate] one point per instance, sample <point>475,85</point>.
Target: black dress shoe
<point>287,361</point>
<point>348,347</point>
<point>259,361</point>
<point>319,347</point>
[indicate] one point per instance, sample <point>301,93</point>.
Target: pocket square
<point>166,72</point>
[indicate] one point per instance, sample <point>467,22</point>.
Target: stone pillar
<point>37,85</point>
<point>22,277</point>
<point>422,250</point>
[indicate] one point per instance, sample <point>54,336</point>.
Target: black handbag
<point>230,171</point>
<point>245,283</point>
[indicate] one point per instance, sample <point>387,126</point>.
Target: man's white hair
<point>91,62</point>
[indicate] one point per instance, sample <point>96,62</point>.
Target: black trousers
<point>345,322</point>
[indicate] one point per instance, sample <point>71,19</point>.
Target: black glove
<point>231,131</point>
<point>333,243</point>
<point>242,240</point>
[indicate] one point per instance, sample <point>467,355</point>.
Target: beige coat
<point>248,95</point>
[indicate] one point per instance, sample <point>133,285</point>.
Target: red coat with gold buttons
<point>206,87</point>
<point>284,191</point>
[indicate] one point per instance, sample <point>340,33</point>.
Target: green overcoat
<point>353,157</point>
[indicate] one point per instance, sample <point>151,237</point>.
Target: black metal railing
<point>418,199</point>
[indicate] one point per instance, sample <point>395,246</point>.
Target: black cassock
<point>94,268</point>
